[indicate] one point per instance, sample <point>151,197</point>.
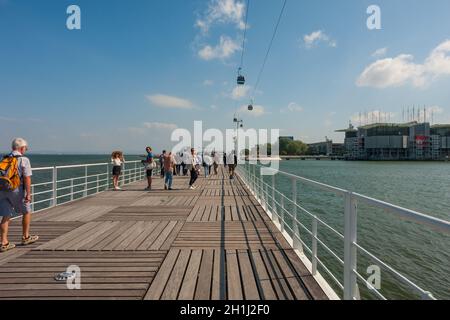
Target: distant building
<point>397,141</point>
<point>326,148</point>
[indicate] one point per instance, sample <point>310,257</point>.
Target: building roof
<point>347,130</point>
<point>440,126</point>
<point>401,125</point>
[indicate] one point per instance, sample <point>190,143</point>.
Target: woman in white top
<point>117,161</point>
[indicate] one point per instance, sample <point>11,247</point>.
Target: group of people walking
<point>175,164</point>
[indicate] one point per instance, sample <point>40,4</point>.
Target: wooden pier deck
<point>212,243</point>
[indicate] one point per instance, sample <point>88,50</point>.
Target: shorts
<point>117,170</point>
<point>13,203</point>
<point>149,173</point>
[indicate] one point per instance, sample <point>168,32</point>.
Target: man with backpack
<point>15,193</point>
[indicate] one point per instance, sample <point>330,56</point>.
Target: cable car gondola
<point>240,78</point>
<point>250,106</point>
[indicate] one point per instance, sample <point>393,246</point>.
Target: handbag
<point>151,165</point>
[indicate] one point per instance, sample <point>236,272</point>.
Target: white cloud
<point>257,111</point>
<point>208,83</point>
<point>438,63</point>
<point>165,101</point>
<point>160,125</point>
<point>401,70</point>
<point>292,107</point>
<point>240,92</point>
<point>151,126</point>
<point>222,12</point>
<point>380,53</point>
<point>313,39</point>
<point>225,49</point>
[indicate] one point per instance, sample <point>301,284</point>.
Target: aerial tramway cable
<point>258,80</point>
<point>240,77</point>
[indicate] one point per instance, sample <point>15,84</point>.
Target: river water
<point>420,253</point>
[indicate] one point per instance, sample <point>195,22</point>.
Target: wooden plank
<point>176,278</point>
<point>119,237</point>
<point>74,234</point>
<point>159,283</point>
<point>190,280</point>
<point>171,238</point>
<point>233,276</point>
<point>294,282</point>
<point>218,272</point>
<point>203,291</point>
<point>247,276</point>
<point>262,278</point>
<point>149,227</point>
<point>153,236</point>
<point>163,236</point>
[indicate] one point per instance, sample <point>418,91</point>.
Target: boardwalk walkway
<point>215,242</point>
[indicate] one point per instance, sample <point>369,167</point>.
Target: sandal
<point>7,247</point>
<point>29,240</point>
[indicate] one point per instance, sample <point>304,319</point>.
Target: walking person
<point>216,161</point>
<point>15,193</point>
<point>161,162</point>
<point>117,161</point>
<point>232,162</point>
<point>177,158</point>
<point>194,167</point>
<point>207,162</point>
<point>150,164</point>
<point>169,167</point>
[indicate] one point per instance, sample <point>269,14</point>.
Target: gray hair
<point>19,143</point>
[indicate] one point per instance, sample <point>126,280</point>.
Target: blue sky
<point>138,69</point>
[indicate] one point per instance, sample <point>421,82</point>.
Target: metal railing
<point>58,185</point>
<point>277,204</point>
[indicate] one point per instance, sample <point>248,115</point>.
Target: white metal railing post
<point>71,189</point>
<point>296,241</point>
<point>135,172</point>
<point>107,177</point>
<point>85,181</point>
<point>314,247</point>
<point>55,186</point>
<point>275,217</point>
<point>32,198</point>
<point>97,183</point>
<point>350,250</point>
<point>254,179</point>
<point>282,213</point>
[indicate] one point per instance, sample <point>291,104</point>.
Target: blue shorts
<point>13,203</point>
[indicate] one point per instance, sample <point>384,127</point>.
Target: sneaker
<point>148,189</point>
<point>192,188</point>
<point>170,189</point>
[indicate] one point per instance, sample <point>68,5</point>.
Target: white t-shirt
<point>24,165</point>
<point>116,162</point>
<point>208,160</point>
